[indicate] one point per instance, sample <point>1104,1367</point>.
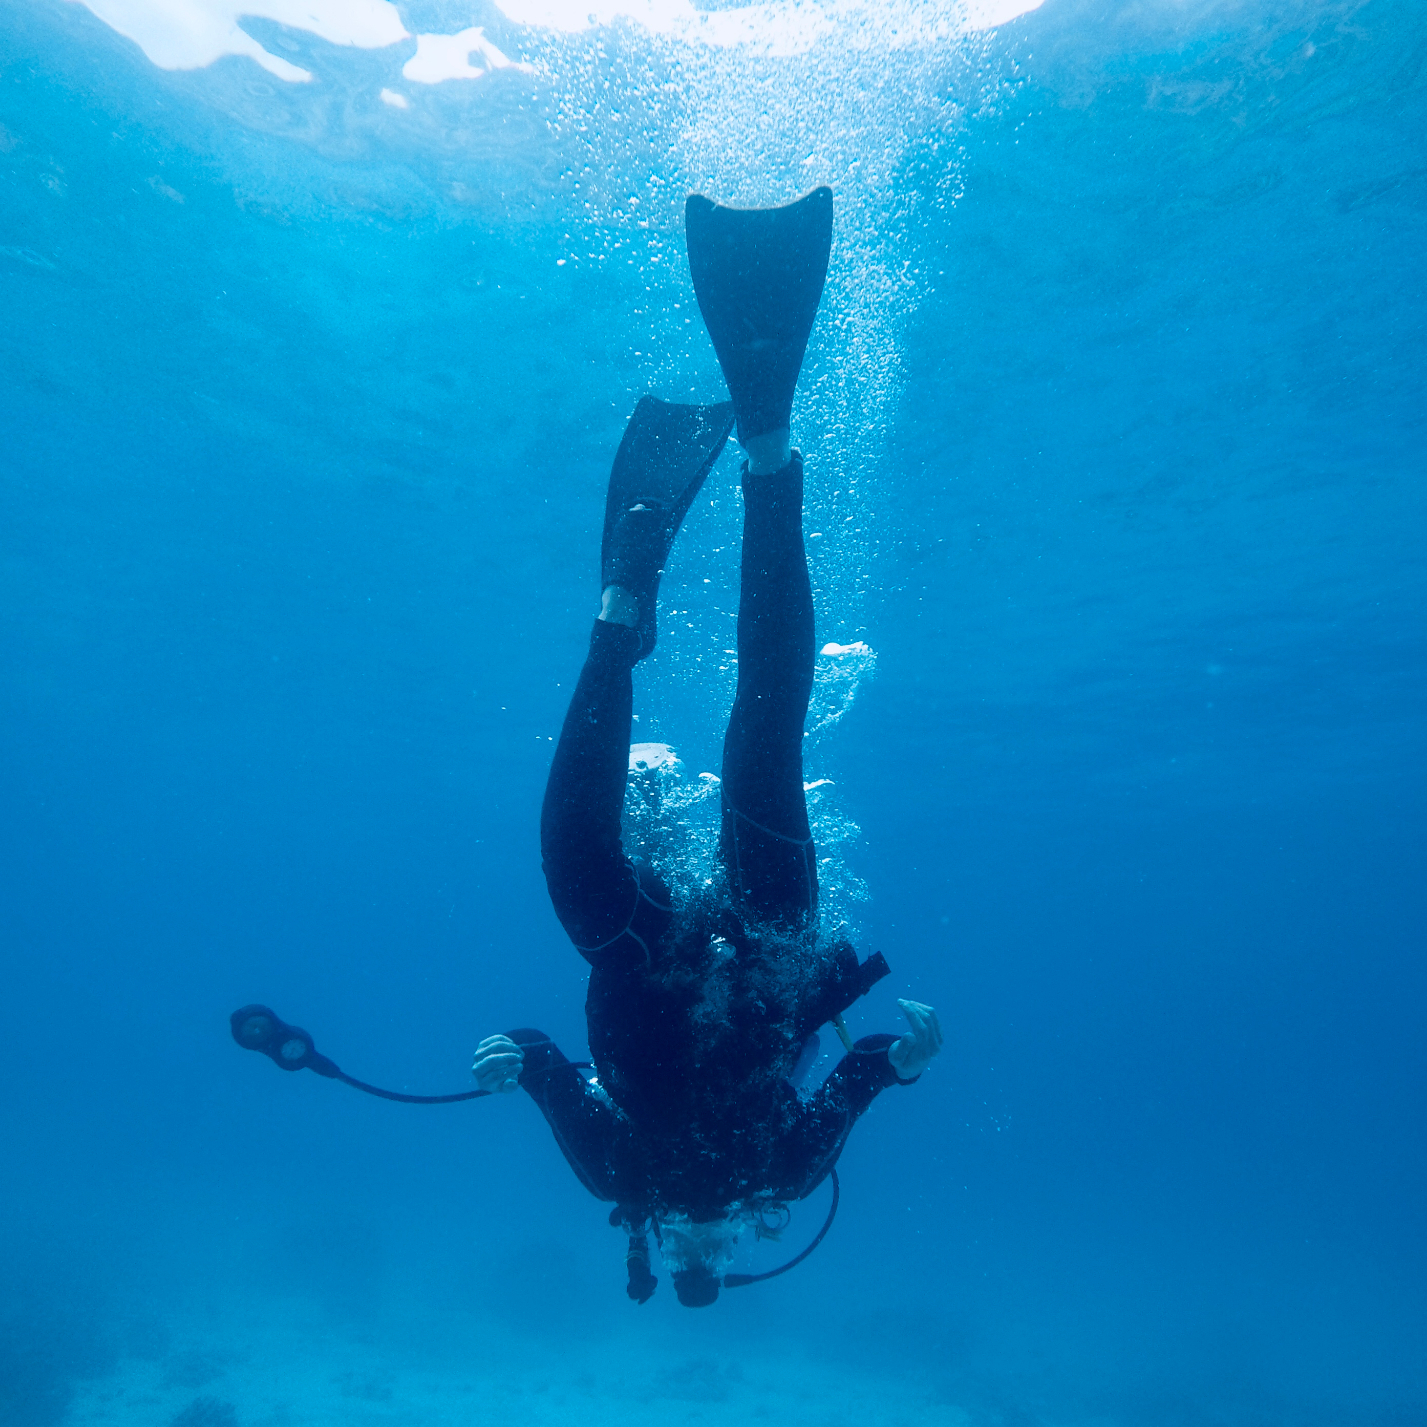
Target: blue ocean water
<point>1115,425</point>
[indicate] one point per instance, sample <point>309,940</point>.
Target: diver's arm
<point>823,1122</point>
<point>593,1134</point>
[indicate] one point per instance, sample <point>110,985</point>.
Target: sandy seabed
<point>287,1372</point>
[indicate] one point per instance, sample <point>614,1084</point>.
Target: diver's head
<point>697,1252</point>
<point>697,1285</point>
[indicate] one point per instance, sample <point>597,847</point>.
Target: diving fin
<point>666,453</point>
<point>758,275</point>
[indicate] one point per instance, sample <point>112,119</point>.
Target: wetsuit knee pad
<point>774,877</point>
<point>635,944</point>
<point>653,909</point>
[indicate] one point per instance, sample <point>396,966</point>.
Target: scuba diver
<point>704,1002</point>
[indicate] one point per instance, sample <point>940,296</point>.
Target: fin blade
<point>758,276</point>
<point>664,457</point>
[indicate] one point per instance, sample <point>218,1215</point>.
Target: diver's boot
<point>666,453</point>
<point>758,275</point>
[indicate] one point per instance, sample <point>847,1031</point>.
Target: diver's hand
<point>913,1053</point>
<point>497,1065</point>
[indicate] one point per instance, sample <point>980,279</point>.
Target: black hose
<point>739,1280</point>
<point>260,1028</point>
<point>448,1099</point>
<point>409,1099</point>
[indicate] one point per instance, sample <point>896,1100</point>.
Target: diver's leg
<point>758,276</point>
<point>767,843</point>
<point>603,902</point>
<point>593,885</point>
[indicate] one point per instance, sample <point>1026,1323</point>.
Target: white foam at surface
<point>190,34</point>
<point>785,27</point>
<point>440,57</point>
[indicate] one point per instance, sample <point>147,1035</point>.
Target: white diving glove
<point>914,1051</point>
<point>497,1065</point>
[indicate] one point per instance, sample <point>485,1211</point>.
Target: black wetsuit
<point>696,1019</point>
